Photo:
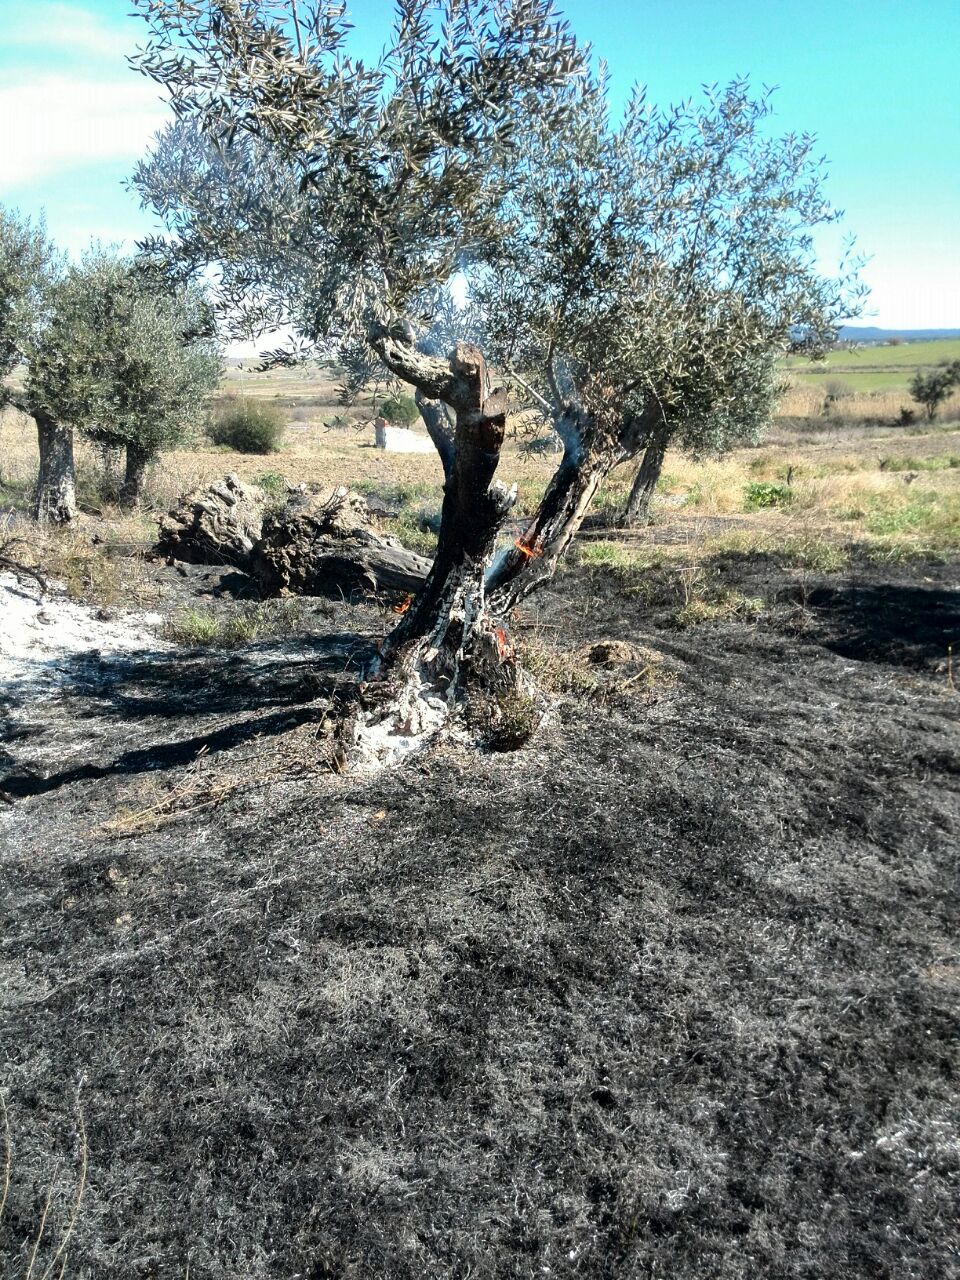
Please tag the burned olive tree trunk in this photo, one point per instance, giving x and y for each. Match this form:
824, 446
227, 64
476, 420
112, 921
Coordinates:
589, 455
453, 642
448, 635
637, 510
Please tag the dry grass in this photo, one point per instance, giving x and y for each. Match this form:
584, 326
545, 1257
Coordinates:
802, 549
205, 784
108, 574
705, 606
805, 398
262, 619
604, 671
838, 481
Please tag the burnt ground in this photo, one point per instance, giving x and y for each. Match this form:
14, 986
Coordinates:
670, 992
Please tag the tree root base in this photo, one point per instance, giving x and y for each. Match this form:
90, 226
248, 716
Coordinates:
485, 701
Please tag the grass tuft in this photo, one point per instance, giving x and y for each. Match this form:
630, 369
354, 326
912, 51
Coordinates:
268, 619
726, 604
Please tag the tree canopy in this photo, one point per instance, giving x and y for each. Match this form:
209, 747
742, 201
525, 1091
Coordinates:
659, 263
28, 267
661, 259
627, 276
125, 357
335, 195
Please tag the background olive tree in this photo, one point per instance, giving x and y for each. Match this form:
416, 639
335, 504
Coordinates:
29, 266
657, 268
127, 357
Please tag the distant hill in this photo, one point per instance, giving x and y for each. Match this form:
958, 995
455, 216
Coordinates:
852, 333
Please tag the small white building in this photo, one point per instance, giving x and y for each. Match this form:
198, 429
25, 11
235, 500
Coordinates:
399, 439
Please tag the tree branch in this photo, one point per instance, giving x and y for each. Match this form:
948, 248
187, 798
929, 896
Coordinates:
544, 404
436, 378
438, 428
16, 399
552, 376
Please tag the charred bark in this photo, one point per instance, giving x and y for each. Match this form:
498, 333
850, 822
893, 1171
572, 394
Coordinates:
453, 642
473, 509
448, 640
637, 510
449, 612
590, 454
135, 474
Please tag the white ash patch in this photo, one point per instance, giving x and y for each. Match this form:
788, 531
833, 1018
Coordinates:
407, 728
38, 633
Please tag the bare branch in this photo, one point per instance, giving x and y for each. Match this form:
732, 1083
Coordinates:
544, 404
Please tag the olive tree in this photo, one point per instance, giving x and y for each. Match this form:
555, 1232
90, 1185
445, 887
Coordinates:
126, 356
623, 275
654, 272
339, 198
29, 265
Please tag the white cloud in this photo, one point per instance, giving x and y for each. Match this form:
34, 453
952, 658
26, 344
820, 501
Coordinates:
56, 123
46, 26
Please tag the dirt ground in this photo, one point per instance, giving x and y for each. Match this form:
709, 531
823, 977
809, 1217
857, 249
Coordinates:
671, 992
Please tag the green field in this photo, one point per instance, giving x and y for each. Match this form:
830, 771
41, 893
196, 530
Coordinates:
875, 368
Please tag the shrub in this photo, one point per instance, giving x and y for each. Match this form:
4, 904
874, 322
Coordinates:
272, 482
763, 494
401, 410
249, 426
339, 422
836, 389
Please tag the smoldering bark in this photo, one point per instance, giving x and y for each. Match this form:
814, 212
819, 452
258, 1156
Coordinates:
637, 510
589, 457
135, 474
55, 498
451, 601
453, 644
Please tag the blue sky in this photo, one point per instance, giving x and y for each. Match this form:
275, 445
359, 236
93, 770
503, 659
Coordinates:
877, 82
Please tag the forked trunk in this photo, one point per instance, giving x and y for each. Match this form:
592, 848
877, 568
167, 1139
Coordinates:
55, 500
645, 481
135, 474
472, 512
453, 643
448, 636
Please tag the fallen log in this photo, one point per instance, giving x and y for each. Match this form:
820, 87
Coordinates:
324, 544
219, 524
